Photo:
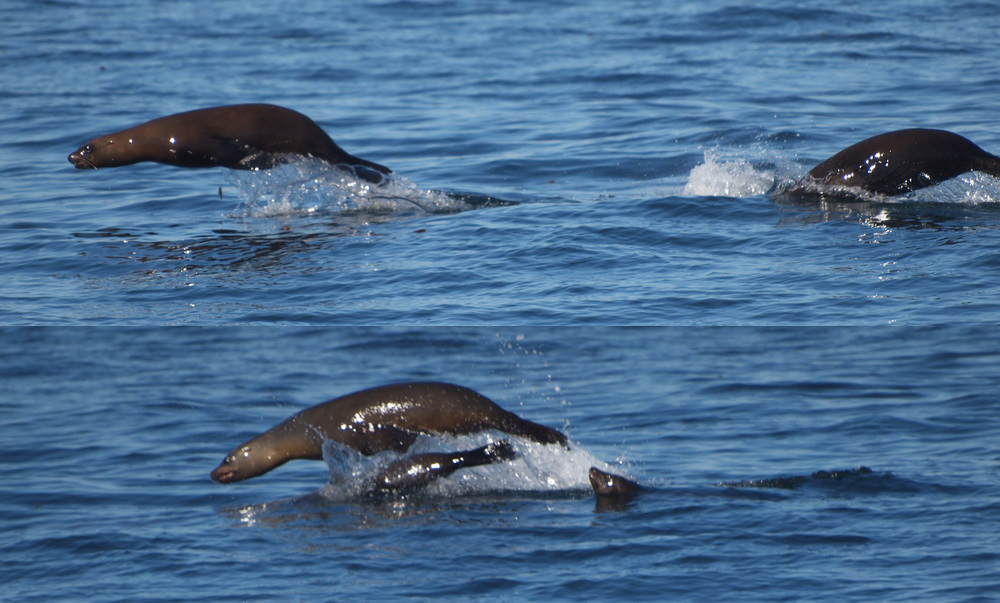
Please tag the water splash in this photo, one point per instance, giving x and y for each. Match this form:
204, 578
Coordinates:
736, 177
970, 188
306, 186
537, 468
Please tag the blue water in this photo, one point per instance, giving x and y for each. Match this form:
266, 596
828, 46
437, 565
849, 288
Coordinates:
576, 164
109, 436
634, 144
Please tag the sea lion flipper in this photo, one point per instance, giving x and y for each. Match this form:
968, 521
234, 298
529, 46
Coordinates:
988, 164
419, 470
534, 431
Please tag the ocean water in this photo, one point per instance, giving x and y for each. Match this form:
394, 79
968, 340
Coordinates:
555, 162
588, 166
110, 433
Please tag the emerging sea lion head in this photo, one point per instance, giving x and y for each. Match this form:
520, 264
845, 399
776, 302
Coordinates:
609, 484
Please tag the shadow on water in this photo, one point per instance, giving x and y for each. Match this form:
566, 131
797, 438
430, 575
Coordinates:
316, 511
270, 239
230, 248
908, 214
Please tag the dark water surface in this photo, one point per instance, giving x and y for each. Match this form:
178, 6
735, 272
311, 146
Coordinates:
639, 141
111, 433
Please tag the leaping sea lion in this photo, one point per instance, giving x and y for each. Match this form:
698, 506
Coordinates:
899, 162
389, 417
239, 137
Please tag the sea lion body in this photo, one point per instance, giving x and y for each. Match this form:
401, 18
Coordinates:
899, 162
417, 471
389, 417
239, 137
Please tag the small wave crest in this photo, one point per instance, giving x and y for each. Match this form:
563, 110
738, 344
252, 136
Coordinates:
305, 186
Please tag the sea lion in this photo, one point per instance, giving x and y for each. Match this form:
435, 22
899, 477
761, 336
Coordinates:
609, 484
793, 482
899, 162
239, 137
388, 417
417, 471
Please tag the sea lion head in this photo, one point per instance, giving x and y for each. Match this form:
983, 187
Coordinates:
108, 151
609, 484
82, 158
240, 464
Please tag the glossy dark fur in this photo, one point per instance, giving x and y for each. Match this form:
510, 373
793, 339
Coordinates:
899, 162
239, 137
389, 417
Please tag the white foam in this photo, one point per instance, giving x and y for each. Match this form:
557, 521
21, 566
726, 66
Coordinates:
736, 177
971, 187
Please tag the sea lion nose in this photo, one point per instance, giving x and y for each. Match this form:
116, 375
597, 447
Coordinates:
78, 156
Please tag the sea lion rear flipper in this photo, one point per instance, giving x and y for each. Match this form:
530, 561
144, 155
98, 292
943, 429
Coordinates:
988, 164
534, 431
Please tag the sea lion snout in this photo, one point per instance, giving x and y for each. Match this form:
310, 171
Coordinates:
223, 475
599, 480
81, 157
228, 470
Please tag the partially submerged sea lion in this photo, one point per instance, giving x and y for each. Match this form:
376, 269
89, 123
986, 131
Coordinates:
609, 484
899, 162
